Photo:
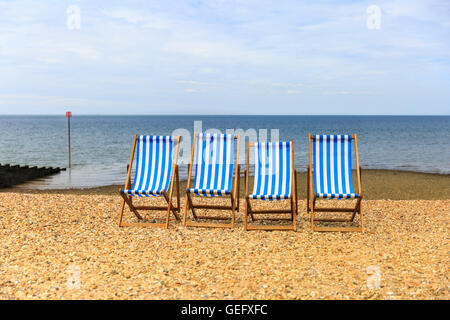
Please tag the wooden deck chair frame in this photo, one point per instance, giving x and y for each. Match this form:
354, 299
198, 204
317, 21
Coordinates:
293, 200
312, 197
234, 197
167, 195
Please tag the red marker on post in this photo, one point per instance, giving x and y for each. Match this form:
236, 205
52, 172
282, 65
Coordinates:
68, 116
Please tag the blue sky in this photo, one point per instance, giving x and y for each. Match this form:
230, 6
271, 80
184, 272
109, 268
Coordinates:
225, 56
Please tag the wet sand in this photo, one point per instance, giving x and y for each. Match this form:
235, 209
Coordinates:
376, 184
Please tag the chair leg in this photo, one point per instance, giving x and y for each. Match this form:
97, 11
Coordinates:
178, 189
238, 189
186, 206
308, 209
294, 215
198, 223
339, 229
191, 206
296, 193
291, 211
246, 213
311, 209
232, 210
357, 209
122, 207
127, 200
170, 206
361, 215
250, 212
292, 208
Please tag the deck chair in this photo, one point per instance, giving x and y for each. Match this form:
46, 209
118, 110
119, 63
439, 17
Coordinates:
156, 170
275, 179
214, 166
330, 177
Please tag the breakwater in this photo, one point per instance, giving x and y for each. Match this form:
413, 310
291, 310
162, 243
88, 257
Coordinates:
11, 175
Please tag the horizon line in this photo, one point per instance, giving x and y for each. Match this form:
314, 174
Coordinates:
206, 114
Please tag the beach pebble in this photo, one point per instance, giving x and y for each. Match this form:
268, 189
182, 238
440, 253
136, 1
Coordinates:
69, 246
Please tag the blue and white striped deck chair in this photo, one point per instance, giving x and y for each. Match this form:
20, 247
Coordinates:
213, 159
275, 179
330, 177
156, 170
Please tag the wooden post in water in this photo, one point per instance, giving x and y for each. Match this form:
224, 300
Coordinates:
68, 116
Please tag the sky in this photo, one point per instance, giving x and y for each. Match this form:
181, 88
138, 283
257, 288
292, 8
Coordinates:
225, 57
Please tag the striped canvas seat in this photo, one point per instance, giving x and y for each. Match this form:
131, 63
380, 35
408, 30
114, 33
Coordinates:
332, 164
214, 165
154, 165
273, 171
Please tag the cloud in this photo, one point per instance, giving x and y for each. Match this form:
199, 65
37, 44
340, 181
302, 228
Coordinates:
20, 99
336, 92
190, 82
287, 85
137, 17
127, 15
245, 53
84, 52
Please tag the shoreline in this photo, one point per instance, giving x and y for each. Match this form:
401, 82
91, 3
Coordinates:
376, 184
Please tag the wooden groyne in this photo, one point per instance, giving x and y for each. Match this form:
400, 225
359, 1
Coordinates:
11, 175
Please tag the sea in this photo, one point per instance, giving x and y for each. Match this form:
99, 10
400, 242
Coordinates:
101, 145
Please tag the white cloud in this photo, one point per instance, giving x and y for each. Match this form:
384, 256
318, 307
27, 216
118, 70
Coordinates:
337, 92
84, 52
127, 15
190, 82
26, 99
246, 53
141, 17
287, 85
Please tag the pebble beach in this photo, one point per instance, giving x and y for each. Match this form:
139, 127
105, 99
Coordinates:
224, 158
68, 246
